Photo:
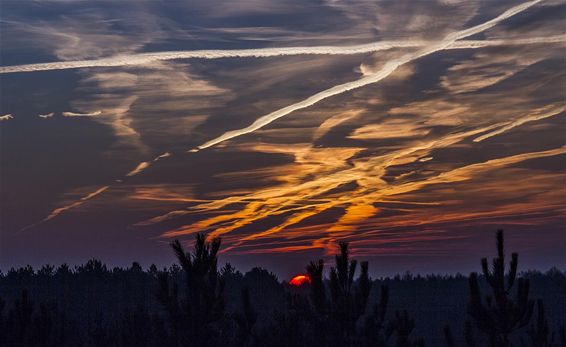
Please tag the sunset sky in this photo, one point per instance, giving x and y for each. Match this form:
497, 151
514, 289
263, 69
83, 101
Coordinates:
412, 129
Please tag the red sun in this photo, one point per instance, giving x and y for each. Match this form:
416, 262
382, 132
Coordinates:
299, 280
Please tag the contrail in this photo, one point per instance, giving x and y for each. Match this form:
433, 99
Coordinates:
56, 212
519, 122
60, 210
73, 114
387, 70
145, 58
464, 44
145, 164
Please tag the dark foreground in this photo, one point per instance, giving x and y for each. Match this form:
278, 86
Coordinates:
197, 304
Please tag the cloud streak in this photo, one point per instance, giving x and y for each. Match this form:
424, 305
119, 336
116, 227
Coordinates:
385, 71
45, 116
530, 118
6, 117
361, 208
73, 114
146, 164
146, 58
56, 212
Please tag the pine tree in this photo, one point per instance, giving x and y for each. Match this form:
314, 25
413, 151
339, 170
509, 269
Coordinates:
348, 301
3, 328
375, 331
498, 315
448, 336
402, 326
246, 321
469, 335
539, 333
338, 313
317, 291
469, 339
196, 317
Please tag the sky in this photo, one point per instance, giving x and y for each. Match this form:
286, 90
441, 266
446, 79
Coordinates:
410, 129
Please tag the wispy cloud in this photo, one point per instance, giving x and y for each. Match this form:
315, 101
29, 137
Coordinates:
145, 164
305, 192
75, 114
6, 117
537, 115
388, 68
393, 161
129, 100
47, 115
388, 129
333, 122
58, 211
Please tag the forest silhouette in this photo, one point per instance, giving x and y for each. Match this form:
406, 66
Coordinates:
196, 303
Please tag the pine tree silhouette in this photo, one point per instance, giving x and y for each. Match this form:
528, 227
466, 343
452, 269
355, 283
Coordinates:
24, 325
246, 321
498, 315
448, 336
469, 338
196, 317
92, 305
402, 326
21, 317
3, 328
348, 302
317, 292
337, 314
539, 333
375, 330
469, 335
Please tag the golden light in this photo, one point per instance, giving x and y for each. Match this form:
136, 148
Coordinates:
299, 280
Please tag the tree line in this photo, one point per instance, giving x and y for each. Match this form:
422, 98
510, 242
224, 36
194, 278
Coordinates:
196, 303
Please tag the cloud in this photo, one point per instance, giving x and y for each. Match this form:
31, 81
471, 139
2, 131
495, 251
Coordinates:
370, 160
130, 101
81, 32
141, 166
74, 114
388, 68
388, 129
47, 115
334, 121
141, 59
307, 183
489, 67
58, 211
162, 88
6, 117
534, 116
146, 164
146, 58
285, 199
165, 193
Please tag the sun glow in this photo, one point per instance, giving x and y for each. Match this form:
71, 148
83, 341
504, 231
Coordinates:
299, 280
